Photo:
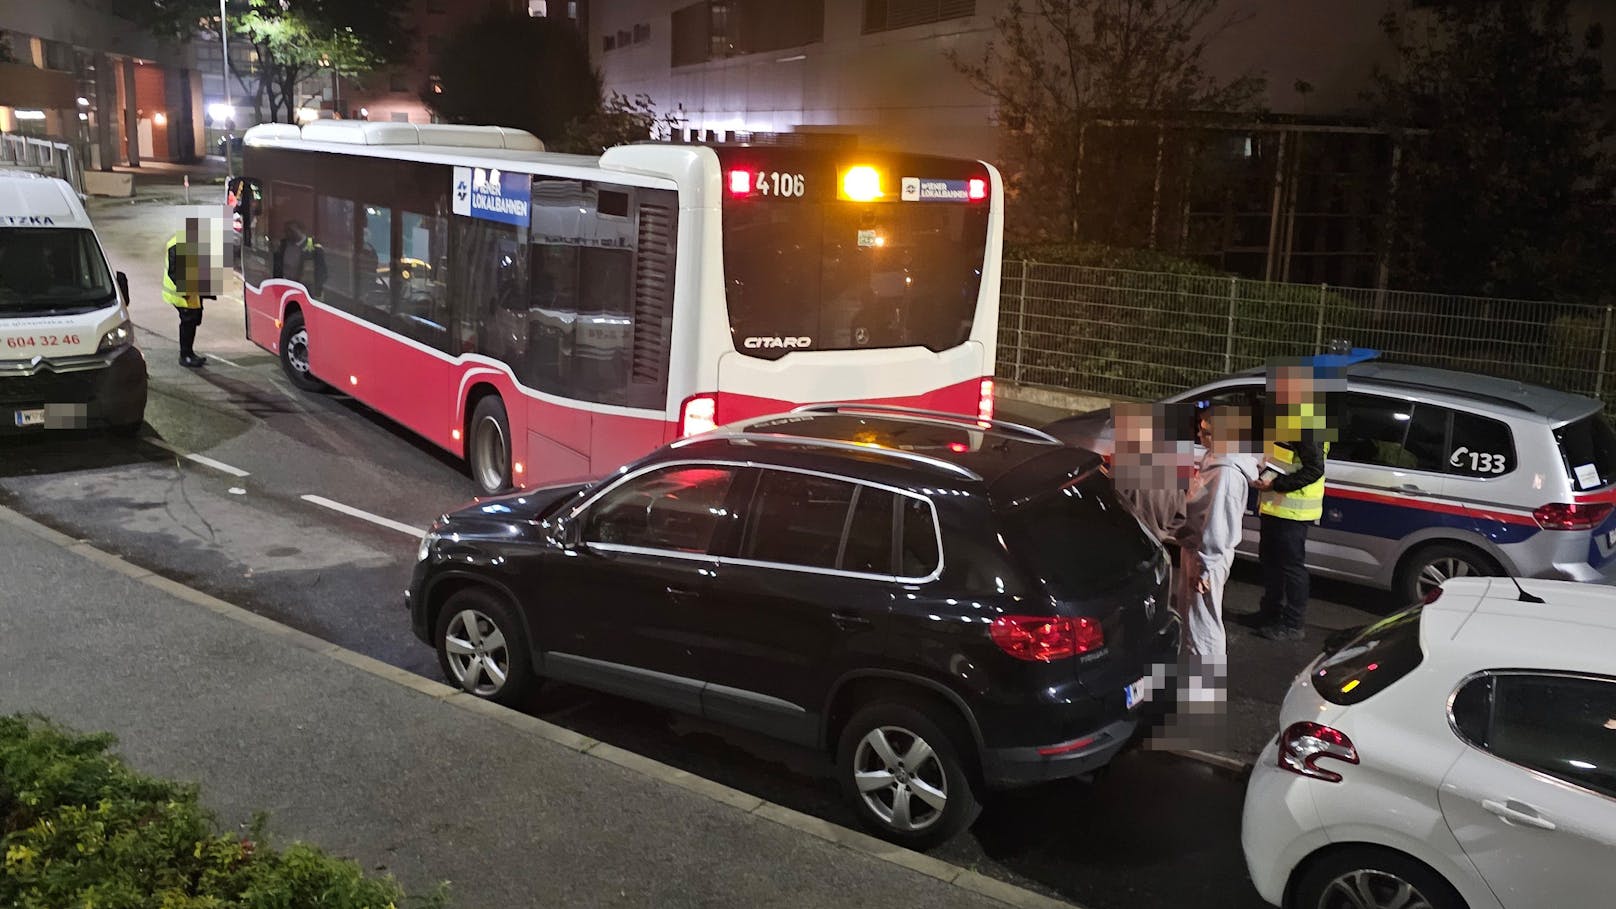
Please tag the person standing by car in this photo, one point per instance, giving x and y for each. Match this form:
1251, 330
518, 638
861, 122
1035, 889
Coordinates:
1146, 472
1214, 515
1291, 498
184, 285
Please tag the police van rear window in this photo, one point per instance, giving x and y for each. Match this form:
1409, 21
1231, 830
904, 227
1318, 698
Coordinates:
1589, 449
1373, 660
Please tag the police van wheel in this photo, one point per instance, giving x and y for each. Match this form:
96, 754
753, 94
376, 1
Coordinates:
488, 448
295, 354
1426, 569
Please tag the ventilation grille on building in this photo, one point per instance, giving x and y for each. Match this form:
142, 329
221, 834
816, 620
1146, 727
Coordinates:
885, 15
653, 280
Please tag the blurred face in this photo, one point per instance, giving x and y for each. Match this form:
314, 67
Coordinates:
1293, 386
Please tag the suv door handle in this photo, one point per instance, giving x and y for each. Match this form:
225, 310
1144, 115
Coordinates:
849, 622
1514, 812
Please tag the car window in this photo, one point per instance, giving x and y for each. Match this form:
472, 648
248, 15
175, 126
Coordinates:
675, 508
918, 553
1481, 447
869, 533
1375, 431
1372, 660
1560, 725
1589, 449
1078, 538
1427, 439
797, 519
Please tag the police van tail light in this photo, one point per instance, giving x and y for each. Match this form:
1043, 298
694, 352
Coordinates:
984, 400
698, 414
1572, 516
1303, 745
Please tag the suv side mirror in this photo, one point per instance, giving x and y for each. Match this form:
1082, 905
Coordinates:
123, 287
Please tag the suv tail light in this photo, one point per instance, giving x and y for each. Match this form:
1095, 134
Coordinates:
1046, 638
698, 414
1575, 516
984, 400
1303, 744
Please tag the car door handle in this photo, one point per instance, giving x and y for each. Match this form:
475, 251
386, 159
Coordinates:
679, 595
1514, 812
1410, 487
848, 622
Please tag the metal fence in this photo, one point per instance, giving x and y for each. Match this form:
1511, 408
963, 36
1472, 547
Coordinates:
45, 156
1143, 335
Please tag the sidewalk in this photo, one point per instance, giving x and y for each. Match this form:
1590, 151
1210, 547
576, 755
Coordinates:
405, 775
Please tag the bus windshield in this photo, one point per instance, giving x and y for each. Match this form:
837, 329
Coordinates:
51, 270
840, 275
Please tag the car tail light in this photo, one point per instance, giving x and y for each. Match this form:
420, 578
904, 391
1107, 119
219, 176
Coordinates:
1432, 597
984, 400
698, 414
1302, 745
1574, 516
1046, 638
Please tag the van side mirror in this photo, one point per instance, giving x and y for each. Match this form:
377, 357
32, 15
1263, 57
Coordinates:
123, 287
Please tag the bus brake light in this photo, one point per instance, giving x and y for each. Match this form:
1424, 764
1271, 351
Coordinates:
976, 188
984, 400
740, 182
698, 415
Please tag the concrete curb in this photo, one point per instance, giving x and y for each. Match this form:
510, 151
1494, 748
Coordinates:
965, 879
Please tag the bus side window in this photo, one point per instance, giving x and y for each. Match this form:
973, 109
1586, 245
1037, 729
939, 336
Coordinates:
489, 288
291, 218
254, 250
373, 259
421, 305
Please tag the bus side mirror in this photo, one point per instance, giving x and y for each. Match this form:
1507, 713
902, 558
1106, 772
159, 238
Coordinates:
123, 287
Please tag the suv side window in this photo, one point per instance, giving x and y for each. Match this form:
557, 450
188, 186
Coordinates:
1555, 724
675, 508
822, 522
1481, 447
1376, 430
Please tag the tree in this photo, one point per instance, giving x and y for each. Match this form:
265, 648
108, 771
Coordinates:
1056, 65
619, 121
294, 39
525, 72
1505, 189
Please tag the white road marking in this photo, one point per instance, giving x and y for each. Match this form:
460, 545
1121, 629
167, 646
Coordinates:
204, 460
389, 523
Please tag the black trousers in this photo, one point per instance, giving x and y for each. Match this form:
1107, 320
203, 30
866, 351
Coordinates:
1282, 550
189, 320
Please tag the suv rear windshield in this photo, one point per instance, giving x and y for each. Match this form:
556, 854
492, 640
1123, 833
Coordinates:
1589, 449
51, 269
1372, 660
1079, 539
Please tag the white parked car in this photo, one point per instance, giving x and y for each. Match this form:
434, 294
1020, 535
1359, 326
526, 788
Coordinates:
1461, 753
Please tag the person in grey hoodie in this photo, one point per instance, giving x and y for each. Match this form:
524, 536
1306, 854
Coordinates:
1214, 514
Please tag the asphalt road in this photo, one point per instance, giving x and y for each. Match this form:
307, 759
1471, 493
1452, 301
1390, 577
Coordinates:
1156, 830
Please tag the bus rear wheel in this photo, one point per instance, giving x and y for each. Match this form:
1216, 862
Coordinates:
488, 448
295, 353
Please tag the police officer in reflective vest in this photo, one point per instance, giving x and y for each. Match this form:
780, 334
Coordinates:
1291, 498
183, 285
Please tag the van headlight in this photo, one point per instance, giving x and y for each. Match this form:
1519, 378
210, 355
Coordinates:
122, 336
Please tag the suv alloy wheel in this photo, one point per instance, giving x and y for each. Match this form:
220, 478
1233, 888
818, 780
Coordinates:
901, 769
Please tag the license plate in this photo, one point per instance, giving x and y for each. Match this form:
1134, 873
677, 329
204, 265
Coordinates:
1610, 540
1134, 694
35, 417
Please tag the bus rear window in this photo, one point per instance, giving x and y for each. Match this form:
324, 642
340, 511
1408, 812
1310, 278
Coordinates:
1589, 449
1372, 660
839, 275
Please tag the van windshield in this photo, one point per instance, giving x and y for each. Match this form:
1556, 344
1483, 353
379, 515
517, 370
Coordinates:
49, 270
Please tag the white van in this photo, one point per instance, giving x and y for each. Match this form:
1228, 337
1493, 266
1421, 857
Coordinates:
68, 358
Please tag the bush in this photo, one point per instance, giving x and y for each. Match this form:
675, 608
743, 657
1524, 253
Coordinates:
78, 828
1095, 255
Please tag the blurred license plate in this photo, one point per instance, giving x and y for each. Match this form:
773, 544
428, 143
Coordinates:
35, 417
1133, 694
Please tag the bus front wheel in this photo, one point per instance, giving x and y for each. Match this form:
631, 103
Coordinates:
295, 353
488, 451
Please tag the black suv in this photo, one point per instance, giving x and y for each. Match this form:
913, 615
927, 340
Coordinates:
942, 602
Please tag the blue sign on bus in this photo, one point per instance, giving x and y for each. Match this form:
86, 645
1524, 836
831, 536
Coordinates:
487, 193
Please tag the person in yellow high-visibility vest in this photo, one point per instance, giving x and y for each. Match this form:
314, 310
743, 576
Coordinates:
183, 282
1291, 498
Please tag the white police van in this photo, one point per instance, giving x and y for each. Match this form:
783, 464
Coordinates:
68, 358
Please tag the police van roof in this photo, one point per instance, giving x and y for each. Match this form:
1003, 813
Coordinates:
33, 200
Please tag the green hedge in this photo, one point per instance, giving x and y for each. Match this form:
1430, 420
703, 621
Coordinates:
1094, 255
80, 830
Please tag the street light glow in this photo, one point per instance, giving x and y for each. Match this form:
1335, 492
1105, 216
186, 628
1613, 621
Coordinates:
219, 112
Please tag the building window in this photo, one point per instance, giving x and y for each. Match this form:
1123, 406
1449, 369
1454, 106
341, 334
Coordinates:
397, 81
434, 44
885, 15
729, 28
436, 7
624, 37
538, 9
608, 42
642, 33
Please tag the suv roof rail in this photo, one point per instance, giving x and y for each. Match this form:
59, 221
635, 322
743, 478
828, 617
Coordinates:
839, 445
935, 416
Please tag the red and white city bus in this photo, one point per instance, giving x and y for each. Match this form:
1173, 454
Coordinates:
550, 317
